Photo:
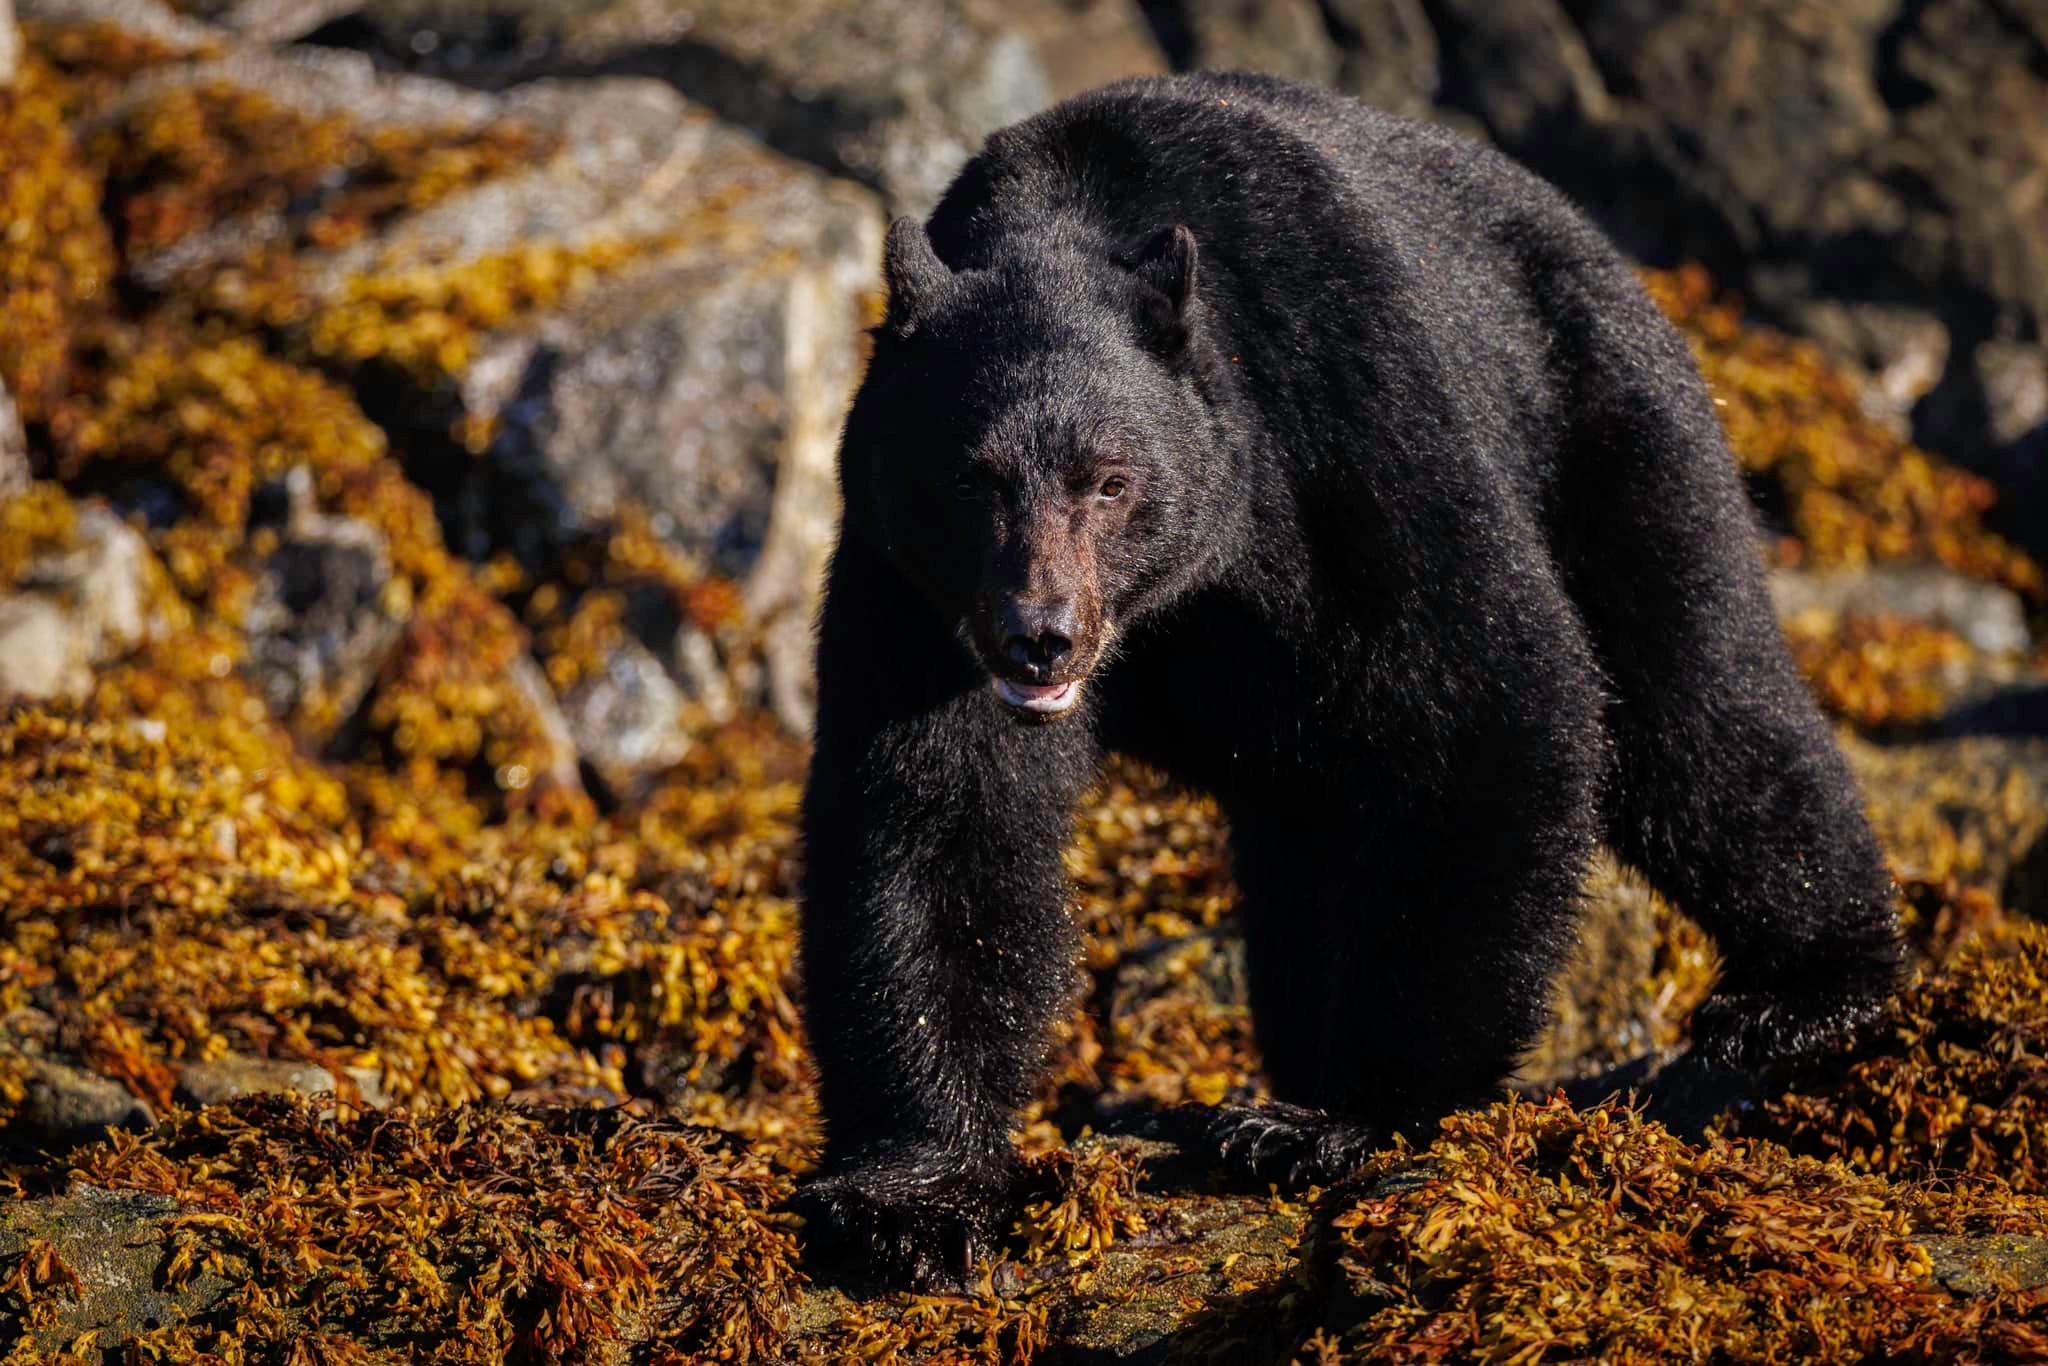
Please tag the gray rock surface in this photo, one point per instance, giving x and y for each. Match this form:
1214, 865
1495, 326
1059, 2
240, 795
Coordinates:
223, 1079
1986, 1264
1276, 37
66, 1105
894, 96
10, 42
629, 721
151, 18
14, 473
115, 1242
531, 686
1388, 53
72, 611
1990, 617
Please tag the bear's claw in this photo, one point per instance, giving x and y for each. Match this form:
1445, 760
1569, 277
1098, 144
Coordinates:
1289, 1145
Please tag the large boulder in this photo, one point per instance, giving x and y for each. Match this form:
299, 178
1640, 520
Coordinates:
893, 96
658, 311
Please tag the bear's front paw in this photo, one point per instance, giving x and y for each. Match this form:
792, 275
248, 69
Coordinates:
902, 1225
1287, 1145
1771, 1034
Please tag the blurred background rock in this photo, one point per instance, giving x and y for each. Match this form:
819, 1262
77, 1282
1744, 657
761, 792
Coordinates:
416, 434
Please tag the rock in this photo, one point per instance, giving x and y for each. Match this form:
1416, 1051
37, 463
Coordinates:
1864, 152
1973, 807
1278, 37
531, 685
1775, 127
1388, 53
152, 19
223, 1079
2014, 378
893, 96
271, 21
1197, 1260
323, 617
1082, 44
73, 610
1991, 618
40, 654
115, 1242
1208, 966
1522, 69
702, 374
1988, 1264
14, 475
369, 1084
628, 721
66, 1106
10, 49
1901, 352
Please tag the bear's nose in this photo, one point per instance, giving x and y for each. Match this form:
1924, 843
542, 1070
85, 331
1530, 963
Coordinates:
1039, 638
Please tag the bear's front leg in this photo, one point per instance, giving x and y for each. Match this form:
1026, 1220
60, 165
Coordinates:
937, 944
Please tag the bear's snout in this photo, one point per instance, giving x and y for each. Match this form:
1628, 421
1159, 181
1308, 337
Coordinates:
1038, 637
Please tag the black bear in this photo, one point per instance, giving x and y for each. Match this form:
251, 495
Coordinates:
1337, 466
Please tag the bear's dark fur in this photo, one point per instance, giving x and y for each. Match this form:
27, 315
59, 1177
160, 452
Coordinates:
1337, 466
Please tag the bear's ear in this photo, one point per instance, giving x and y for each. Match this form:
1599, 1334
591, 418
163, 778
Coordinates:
916, 275
1167, 263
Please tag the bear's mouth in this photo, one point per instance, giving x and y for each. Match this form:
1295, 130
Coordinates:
1040, 699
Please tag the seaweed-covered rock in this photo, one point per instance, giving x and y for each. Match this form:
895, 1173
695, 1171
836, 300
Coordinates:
654, 310
90, 1264
1958, 1084
1630, 986
324, 614
1965, 809
1530, 1230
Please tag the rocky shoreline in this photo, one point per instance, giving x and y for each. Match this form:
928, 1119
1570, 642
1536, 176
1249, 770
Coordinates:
414, 465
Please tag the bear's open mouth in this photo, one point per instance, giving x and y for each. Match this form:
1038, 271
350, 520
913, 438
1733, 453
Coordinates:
1041, 699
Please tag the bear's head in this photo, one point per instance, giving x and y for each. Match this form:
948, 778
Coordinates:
1034, 446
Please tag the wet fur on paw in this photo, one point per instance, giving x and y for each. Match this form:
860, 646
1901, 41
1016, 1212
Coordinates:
881, 1228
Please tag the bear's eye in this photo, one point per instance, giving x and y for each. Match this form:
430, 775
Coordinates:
1112, 489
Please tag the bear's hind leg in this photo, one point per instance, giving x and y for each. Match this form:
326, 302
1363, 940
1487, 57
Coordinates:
1730, 793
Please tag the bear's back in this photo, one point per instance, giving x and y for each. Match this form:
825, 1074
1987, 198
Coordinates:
1269, 174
